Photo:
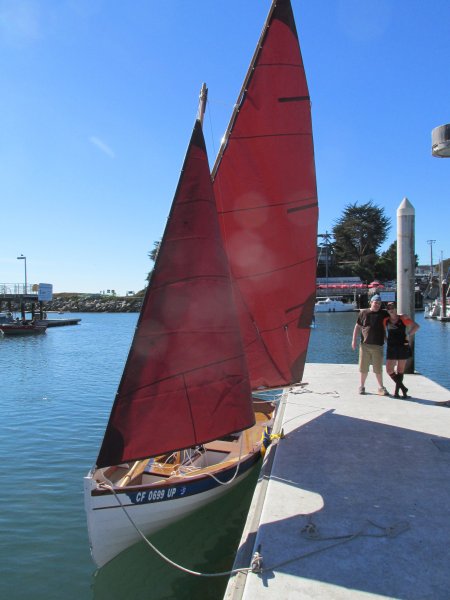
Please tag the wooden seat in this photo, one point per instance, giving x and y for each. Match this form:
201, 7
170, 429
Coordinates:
220, 446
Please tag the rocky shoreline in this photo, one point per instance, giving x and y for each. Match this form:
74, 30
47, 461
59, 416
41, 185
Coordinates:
93, 303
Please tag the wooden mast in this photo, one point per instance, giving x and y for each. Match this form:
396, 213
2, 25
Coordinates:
202, 103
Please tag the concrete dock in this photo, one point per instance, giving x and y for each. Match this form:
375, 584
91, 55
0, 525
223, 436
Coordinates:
354, 502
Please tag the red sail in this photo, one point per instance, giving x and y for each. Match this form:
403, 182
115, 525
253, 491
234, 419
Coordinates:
265, 188
186, 380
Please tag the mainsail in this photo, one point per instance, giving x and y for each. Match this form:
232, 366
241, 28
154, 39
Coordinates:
265, 188
186, 380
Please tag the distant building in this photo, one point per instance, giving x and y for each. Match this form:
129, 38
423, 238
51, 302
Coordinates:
424, 270
348, 281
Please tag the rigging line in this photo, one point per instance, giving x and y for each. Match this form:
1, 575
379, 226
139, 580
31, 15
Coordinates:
320, 409
243, 91
262, 400
277, 327
187, 475
211, 128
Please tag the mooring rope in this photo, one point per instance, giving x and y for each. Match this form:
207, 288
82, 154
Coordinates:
110, 486
310, 532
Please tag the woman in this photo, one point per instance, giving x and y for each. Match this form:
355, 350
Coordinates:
399, 328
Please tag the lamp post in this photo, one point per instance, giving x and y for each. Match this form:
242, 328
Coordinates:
24, 258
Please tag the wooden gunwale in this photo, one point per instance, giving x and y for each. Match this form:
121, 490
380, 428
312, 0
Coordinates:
235, 449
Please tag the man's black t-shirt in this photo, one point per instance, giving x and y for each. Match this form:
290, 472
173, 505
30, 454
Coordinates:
372, 326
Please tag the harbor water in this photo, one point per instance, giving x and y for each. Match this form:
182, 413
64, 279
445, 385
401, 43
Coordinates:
56, 394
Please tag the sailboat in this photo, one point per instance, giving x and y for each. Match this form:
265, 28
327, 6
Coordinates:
227, 311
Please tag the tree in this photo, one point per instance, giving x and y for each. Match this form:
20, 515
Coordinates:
386, 264
446, 268
152, 255
358, 234
154, 252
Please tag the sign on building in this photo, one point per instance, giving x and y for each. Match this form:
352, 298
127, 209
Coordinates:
387, 296
45, 292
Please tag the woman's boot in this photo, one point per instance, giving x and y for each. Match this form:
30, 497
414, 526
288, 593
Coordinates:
394, 377
402, 387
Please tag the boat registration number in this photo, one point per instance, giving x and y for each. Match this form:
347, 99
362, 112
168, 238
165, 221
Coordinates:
157, 495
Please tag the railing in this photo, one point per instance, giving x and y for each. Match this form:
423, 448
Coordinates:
18, 289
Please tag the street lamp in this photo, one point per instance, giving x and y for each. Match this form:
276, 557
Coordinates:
24, 258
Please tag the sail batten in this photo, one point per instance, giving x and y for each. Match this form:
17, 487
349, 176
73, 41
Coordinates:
285, 204
265, 188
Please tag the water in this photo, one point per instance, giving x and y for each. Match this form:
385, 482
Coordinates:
56, 394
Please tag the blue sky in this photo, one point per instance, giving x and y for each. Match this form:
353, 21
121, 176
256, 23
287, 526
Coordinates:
98, 99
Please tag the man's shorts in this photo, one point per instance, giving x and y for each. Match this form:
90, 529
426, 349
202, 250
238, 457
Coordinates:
370, 354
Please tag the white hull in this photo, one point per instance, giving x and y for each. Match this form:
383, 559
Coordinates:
110, 531
433, 311
329, 305
157, 493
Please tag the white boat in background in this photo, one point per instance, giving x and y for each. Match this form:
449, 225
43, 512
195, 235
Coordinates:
433, 310
333, 305
215, 327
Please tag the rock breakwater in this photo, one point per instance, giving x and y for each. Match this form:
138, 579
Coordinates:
95, 303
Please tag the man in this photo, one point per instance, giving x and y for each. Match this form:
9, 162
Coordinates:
370, 324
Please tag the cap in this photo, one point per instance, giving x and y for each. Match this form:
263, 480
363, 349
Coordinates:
375, 298
391, 305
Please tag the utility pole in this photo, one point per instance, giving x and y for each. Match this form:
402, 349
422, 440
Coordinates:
431, 242
326, 237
